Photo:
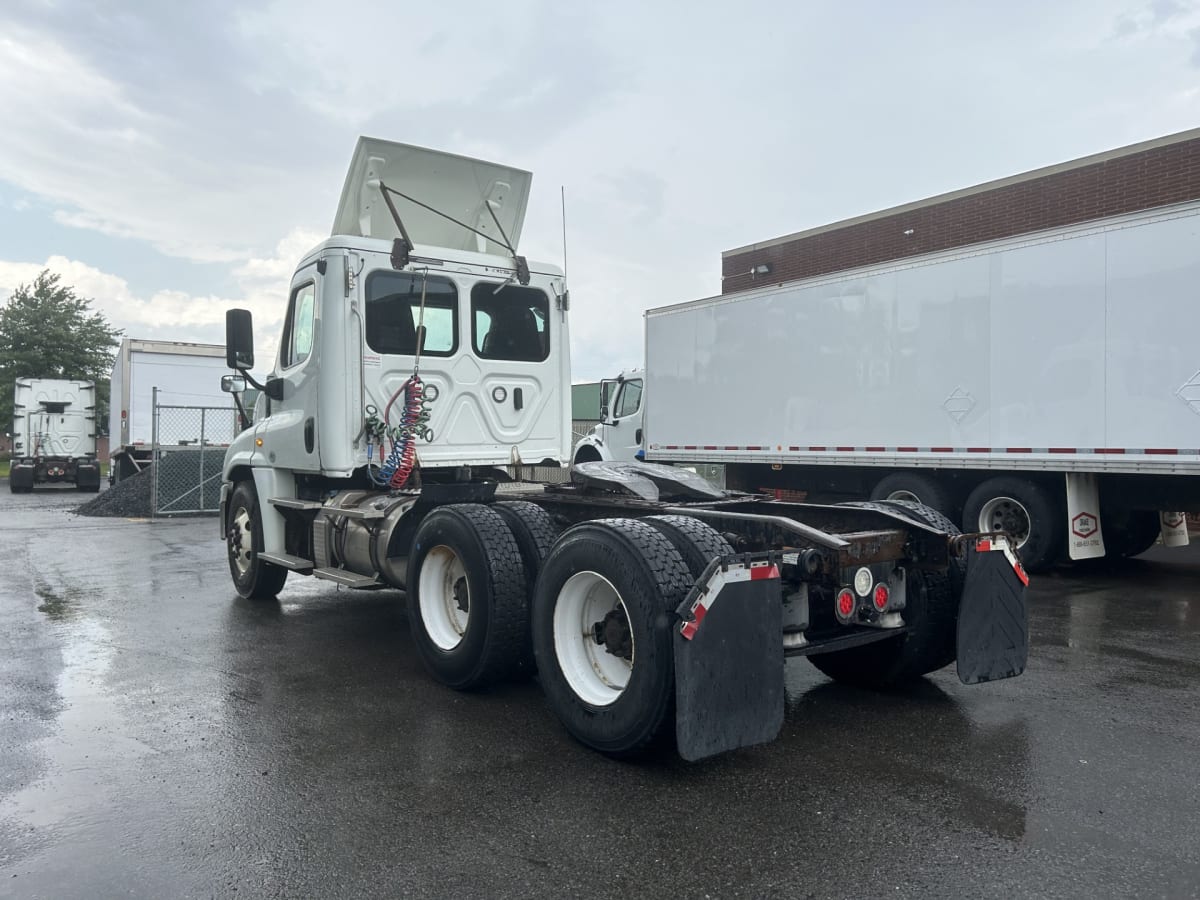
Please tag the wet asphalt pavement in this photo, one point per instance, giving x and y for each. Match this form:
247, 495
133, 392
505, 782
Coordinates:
160, 737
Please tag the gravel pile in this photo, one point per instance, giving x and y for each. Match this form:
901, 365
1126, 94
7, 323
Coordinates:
129, 498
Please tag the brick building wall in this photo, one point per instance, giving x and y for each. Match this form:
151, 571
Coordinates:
1143, 176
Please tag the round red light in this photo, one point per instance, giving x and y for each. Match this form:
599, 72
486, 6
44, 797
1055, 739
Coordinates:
881, 597
845, 603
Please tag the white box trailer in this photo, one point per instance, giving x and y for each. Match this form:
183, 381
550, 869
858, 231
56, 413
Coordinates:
180, 374
1007, 384
54, 434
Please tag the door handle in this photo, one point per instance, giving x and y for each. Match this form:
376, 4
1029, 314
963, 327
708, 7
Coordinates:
310, 435
518, 398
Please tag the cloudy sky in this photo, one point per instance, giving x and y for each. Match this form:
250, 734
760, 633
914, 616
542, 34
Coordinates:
173, 159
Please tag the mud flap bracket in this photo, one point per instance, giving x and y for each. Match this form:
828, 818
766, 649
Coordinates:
729, 659
993, 617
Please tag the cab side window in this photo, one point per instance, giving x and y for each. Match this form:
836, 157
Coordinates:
631, 399
301, 320
510, 322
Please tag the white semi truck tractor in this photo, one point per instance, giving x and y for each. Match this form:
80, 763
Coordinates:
423, 362
54, 434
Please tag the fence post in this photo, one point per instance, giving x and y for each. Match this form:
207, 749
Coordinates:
203, 411
154, 452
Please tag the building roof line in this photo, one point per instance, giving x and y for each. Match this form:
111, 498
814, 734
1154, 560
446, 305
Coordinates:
1082, 162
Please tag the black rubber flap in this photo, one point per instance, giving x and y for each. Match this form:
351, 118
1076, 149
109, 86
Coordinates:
993, 620
729, 676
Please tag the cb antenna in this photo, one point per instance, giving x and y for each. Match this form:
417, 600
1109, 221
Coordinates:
563, 191
566, 294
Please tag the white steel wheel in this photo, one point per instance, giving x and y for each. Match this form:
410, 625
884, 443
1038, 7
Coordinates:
906, 496
590, 610
445, 597
240, 541
1008, 515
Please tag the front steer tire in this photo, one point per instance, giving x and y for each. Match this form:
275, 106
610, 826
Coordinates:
467, 598
624, 577
252, 578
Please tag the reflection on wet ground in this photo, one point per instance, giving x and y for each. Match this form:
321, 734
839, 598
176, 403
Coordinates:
159, 737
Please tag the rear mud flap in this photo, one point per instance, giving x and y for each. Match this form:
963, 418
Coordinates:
729, 662
993, 619
21, 477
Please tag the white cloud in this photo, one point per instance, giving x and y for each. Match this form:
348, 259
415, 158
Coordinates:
175, 315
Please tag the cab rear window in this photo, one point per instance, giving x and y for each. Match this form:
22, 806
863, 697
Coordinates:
394, 310
510, 322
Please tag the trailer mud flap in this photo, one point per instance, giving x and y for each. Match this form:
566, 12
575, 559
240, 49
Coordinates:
993, 619
729, 660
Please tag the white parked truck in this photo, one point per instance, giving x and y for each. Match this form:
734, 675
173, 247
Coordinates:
1046, 385
413, 378
54, 434
179, 374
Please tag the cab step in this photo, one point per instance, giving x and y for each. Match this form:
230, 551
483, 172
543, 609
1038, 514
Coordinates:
348, 579
287, 561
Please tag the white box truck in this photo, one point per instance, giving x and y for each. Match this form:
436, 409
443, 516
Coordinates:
1046, 385
179, 374
413, 378
54, 434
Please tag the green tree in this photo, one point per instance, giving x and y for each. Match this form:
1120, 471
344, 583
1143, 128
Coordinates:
49, 331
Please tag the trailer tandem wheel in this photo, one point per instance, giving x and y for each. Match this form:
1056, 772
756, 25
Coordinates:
1032, 514
253, 578
915, 487
467, 603
602, 623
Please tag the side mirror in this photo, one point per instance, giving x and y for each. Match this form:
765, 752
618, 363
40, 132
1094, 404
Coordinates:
604, 414
239, 339
233, 384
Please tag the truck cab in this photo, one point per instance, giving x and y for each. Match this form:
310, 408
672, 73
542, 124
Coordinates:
488, 345
618, 436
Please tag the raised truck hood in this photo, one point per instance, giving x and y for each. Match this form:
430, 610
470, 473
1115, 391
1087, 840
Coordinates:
458, 186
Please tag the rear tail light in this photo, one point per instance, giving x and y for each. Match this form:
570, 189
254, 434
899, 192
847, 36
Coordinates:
845, 606
881, 597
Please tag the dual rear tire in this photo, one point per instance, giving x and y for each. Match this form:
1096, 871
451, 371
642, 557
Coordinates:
494, 591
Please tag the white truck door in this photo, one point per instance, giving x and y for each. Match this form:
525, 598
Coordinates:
291, 440
623, 430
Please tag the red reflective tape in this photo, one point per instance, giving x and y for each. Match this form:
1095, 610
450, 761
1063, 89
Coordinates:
1019, 450
983, 546
689, 446
730, 448
671, 447
760, 573
754, 448
1110, 450
711, 447
1160, 452
875, 449
793, 449
844, 449
1021, 573
1063, 450
979, 449
907, 449
941, 449
816, 449
689, 628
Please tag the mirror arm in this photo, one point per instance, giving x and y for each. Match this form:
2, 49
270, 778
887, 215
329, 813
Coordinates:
237, 401
273, 388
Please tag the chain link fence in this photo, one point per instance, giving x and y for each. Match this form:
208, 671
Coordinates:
189, 444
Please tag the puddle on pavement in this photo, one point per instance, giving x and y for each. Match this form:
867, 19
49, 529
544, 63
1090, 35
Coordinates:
57, 606
88, 731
